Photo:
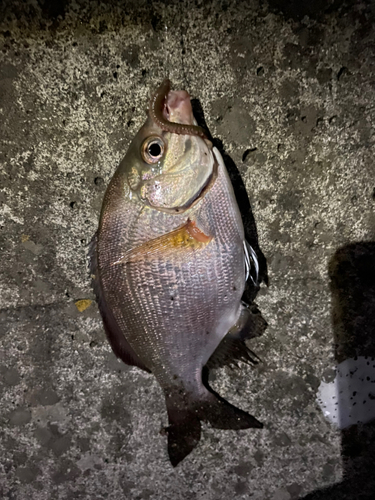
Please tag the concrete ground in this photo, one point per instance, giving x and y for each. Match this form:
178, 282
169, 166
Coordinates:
289, 90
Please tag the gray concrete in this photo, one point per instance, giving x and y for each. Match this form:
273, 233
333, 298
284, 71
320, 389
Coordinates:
74, 83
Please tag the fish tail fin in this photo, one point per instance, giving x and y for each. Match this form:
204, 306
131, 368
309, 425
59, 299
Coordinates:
223, 415
184, 429
185, 412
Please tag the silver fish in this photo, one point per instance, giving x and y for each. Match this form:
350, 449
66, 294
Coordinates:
169, 262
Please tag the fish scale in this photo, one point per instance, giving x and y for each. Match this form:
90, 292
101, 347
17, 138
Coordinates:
159, 328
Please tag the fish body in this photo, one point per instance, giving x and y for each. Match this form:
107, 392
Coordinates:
170, 266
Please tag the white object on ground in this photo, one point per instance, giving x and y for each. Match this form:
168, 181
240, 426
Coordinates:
350, 398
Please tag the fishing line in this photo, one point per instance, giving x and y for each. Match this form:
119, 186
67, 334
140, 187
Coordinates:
182, 44
175, 46
166, 54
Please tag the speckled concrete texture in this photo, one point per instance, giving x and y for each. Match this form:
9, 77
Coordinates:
290, 93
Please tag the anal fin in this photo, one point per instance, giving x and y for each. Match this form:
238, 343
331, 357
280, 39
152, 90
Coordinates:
119, 344
233, 348
250, 323
229, 352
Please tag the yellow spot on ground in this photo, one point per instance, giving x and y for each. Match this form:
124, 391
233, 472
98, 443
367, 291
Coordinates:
24, 237
83, 304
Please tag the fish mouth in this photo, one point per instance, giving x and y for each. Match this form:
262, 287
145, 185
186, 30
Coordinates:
170, 110
177, 108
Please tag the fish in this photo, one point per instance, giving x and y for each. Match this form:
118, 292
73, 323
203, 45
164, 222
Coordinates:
169, 263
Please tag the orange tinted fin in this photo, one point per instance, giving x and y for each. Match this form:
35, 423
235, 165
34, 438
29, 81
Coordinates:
182, 241
196, 233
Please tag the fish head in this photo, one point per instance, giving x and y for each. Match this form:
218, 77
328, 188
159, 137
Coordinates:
170, 164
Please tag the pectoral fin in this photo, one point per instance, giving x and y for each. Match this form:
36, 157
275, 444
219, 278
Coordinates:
184, 240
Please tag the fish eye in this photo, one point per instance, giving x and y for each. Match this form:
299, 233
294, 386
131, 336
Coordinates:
152, 149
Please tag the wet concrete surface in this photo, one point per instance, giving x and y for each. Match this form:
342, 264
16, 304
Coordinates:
290, 95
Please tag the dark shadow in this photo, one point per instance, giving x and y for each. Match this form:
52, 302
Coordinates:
236, 349
314, 9
352, 281
243, 201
